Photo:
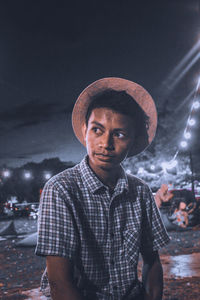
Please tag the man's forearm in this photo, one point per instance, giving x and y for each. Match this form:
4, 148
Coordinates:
64, 291
152, 277
59, 270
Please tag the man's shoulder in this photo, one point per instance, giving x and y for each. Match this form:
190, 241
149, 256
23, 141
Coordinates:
67, 178
136, 182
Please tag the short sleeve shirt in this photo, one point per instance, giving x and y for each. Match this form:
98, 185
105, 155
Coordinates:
101, 233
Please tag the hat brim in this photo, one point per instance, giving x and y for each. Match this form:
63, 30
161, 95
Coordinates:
137, 92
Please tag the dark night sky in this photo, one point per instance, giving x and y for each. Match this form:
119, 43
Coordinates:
50, 51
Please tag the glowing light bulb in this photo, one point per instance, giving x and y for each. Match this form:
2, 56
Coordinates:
196, 105
6, 173
183, 144
187, 135
27, 175
47, 176
191, 122
152, 167
128, 171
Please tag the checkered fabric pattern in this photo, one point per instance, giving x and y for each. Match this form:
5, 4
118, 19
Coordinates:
101, 233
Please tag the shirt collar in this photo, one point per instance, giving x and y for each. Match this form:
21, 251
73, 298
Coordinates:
94, 184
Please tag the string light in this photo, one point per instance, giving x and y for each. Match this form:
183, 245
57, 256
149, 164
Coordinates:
187, 135
196, 105
152, 167
28, 174
183, 144
191, 122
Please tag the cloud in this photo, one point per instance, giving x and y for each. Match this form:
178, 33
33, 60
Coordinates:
32, 113
28, 153
20, 157
26, 124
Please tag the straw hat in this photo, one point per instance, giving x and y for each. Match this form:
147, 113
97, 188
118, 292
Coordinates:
137, 92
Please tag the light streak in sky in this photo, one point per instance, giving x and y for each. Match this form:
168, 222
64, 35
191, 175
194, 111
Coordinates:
181, 69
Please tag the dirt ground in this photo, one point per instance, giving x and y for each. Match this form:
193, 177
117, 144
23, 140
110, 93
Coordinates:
21, 269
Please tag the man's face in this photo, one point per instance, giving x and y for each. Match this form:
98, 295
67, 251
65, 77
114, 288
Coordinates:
109, 136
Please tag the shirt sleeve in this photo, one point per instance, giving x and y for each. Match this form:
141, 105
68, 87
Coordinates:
154, 234
56, 226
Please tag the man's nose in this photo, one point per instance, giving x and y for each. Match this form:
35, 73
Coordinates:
107, 141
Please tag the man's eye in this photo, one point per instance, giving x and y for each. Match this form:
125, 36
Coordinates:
120, 135
96, 130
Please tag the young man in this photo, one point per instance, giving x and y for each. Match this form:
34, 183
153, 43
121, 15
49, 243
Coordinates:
94, 218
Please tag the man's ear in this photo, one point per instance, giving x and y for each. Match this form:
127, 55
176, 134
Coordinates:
84, 131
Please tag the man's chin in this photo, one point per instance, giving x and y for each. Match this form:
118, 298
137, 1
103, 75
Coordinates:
107, 165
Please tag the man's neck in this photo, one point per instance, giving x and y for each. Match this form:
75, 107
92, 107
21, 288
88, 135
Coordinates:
108, 177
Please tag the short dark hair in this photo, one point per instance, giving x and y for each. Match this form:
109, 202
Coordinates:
123, 103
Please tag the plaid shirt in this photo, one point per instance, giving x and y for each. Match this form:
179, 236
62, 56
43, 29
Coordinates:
101, 234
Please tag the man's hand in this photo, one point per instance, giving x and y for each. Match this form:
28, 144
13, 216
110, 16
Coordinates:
60, 279
152, 276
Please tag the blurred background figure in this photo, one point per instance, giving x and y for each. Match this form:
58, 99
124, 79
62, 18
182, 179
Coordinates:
162, 195
180, 215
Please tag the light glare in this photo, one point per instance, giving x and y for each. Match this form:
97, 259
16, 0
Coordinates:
6, 173
169, 165
187, 135
191, 122
47, 176
196, 105
184, 144
172, 164
27, 175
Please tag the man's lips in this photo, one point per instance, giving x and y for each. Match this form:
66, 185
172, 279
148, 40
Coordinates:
104, 155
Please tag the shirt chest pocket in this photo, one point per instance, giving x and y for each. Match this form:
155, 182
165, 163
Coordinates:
131, 245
